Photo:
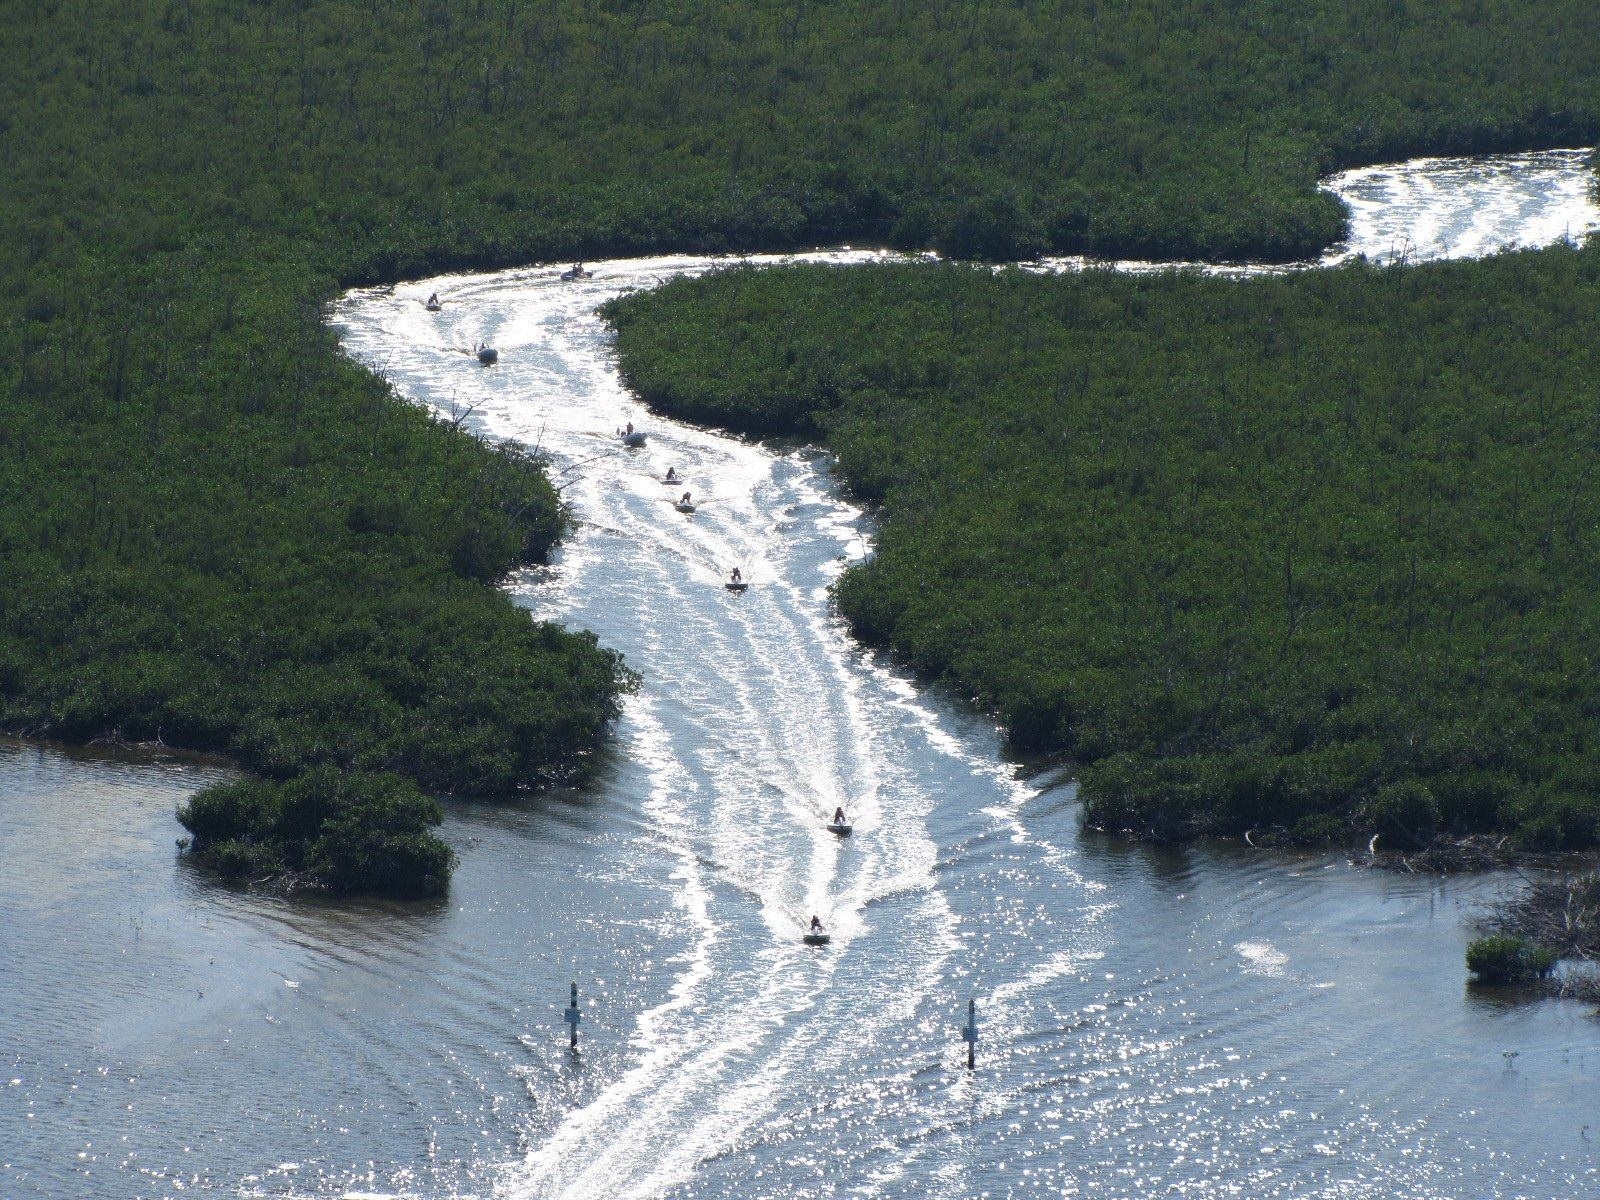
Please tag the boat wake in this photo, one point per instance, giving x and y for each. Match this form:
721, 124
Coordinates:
776, 1069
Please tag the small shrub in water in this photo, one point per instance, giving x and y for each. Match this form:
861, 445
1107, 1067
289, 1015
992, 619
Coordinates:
1506, 958
346, 831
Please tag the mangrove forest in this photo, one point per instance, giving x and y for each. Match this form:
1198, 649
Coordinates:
1257, 552
1309, 553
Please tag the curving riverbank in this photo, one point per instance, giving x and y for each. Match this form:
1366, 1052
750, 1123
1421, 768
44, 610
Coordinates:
1192, 1017
194, 482
1302, 553
206, 515
758, 715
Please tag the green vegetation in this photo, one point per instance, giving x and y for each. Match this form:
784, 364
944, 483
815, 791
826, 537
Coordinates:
1503, 958
253, 548
1304, 552
294, 579
381, 140
217, 533
1550, 918
342, 832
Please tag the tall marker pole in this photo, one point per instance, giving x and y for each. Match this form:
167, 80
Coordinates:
571, 1016
970, 1034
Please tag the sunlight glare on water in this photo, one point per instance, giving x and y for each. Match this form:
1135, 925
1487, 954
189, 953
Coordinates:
1434, 208
1197, 1022
1196, 1058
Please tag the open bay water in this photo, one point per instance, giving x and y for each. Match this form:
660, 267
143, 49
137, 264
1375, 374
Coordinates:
1196, 1022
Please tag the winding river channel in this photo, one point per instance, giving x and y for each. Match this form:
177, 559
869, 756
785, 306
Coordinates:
1155, 1022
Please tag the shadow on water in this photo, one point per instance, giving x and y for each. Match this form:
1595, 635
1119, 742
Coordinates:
1496, 1000
1172, 866
307, 907
112, 753
577, 809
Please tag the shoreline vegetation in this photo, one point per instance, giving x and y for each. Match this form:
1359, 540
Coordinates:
1301, 556
1555, 918
1302, 560
220, 534
298, 586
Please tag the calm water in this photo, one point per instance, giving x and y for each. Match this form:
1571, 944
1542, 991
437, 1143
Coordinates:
1185, 1023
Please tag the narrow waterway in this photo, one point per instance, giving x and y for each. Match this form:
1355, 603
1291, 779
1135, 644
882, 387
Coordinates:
1196, 1022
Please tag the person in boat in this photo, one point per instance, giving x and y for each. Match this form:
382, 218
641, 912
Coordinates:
628, 430
577, 270
816, 923
838, 815
684, 499
433, 300
736, 577
672, 474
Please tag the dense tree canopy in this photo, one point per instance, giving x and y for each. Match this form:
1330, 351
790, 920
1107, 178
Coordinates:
346, 832
1309, 552
216, 532
397, 136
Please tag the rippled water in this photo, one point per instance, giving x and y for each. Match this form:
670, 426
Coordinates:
1198, 1022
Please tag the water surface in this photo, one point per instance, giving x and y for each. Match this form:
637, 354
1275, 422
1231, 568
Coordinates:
1201, 1022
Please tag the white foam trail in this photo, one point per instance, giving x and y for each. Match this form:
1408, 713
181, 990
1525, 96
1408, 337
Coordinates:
761, 717
781, 730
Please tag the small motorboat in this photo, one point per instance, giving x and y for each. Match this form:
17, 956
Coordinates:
572, 273
816, 937
433, 306
736, 585
842, 828
684, 506
632, 438
669, 480
488, 355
